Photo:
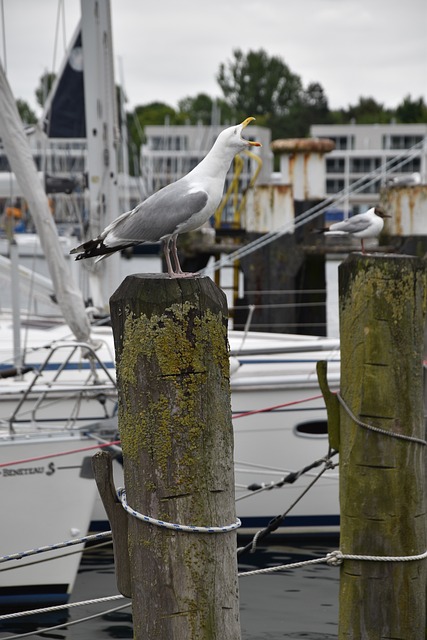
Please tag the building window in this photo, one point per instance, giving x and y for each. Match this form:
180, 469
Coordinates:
411, 166
373, 186
400, 142
364, 165
168, 143
335, 165
343, 142
414, 164
334, 185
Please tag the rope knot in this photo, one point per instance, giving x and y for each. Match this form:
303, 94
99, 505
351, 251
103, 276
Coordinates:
334, 558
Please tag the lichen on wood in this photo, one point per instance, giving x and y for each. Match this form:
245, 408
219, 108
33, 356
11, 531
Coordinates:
175, 426
382, 492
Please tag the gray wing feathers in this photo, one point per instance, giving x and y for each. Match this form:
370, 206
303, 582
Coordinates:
352, 225
159, 215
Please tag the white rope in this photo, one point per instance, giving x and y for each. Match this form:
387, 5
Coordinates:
171, 525
60, 607
334, 559
365, 425
283, 567
348, 556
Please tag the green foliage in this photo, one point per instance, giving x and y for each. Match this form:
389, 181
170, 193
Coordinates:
26, 113
366, 111
258, 85
263, 86
253, 84
411, 111
202, 108
45, 85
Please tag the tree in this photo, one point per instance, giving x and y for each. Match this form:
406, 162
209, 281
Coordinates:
27, 114
263, 86
45, 85
411, 111
310, 108
258, 85
366, 111
202, 108
142, 115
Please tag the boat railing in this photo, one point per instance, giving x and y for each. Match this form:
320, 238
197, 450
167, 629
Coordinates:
52, 384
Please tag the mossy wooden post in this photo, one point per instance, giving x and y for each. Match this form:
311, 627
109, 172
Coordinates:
382, 488
176, 432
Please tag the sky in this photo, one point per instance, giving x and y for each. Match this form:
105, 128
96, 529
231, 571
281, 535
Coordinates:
166, 50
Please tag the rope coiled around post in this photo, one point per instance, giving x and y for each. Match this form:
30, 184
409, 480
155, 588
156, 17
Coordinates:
121, 493
370, 427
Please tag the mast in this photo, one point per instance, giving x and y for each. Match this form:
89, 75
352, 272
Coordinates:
102, 138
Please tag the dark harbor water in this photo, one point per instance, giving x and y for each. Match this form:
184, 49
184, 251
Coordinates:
298, 603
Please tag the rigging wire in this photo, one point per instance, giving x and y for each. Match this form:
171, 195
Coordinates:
38, 632
359, 185
60, 14
58, 557
3, 34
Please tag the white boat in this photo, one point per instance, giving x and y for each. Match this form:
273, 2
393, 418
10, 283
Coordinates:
48, 498
279, 415
70, 403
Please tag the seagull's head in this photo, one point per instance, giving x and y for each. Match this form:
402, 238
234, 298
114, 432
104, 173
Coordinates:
381, 213
232, 137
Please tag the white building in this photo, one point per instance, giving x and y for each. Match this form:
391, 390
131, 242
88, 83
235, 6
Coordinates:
171, 151
389, 150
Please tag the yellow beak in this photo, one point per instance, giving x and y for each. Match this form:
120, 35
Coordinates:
245, 124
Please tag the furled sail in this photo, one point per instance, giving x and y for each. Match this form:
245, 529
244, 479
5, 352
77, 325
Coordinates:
22, 164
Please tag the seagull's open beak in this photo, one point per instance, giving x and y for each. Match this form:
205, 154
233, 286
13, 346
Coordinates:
244, 124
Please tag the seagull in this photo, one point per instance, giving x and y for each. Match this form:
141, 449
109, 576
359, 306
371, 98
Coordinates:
184, 205
404, 181
363, 225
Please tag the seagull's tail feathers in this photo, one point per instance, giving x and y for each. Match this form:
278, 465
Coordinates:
328, 231
97, 248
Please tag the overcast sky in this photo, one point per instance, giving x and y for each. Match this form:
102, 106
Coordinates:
171, 49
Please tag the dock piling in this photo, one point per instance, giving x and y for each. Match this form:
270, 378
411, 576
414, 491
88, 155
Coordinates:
175, 427
382, 486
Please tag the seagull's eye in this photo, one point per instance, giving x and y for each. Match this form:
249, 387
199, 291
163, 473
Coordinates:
235, 131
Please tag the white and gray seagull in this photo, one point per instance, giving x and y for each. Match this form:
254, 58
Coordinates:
184, 205
363, 225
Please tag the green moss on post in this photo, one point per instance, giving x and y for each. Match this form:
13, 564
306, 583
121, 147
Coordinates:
382, 488
175, 426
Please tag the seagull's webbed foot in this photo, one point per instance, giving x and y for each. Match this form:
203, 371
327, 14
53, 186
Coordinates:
184, 274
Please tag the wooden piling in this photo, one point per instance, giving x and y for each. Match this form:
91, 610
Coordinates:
382, 487
175, 427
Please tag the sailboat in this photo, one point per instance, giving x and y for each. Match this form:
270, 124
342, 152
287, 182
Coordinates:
55, 401
61, 398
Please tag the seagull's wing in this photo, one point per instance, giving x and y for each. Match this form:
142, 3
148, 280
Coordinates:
352, 225
158, 216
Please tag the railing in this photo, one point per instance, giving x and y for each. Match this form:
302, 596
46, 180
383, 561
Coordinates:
49, 385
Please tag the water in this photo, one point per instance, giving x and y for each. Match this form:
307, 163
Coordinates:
298, 603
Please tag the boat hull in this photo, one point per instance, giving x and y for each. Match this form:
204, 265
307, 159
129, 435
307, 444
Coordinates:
44, 501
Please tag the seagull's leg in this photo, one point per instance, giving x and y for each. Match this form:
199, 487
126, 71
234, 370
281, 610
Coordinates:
178, 269
363, 246
166, 251
179, 273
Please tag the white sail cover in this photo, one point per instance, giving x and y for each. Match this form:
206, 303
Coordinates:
22, 164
